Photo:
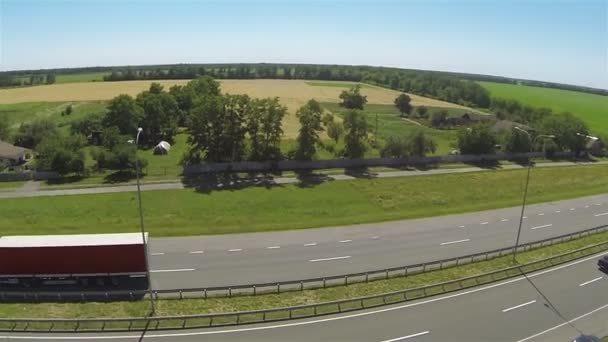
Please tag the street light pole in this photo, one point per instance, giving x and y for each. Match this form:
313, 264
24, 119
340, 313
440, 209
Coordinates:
523, 205
141, 225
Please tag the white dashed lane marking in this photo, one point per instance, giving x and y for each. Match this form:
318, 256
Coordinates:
543, 226
235, 250
452, 242
329, 259
310, 244
273, 247
196, 252
590, 281
519, 306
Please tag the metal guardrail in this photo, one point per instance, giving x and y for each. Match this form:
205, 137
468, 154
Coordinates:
292, 285
286, 313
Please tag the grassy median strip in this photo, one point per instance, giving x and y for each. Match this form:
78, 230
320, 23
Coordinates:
188, 212
171, 307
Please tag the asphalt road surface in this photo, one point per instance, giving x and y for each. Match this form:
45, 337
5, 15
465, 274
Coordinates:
511, 310
276, 256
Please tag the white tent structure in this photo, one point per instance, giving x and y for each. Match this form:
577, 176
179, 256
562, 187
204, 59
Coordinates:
162, 147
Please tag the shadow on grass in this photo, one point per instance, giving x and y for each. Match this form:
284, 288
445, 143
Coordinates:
120, 177
208, 183
310, 179
64, 180
360, 172
485, 164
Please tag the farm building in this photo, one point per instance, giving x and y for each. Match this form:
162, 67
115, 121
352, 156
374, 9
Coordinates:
13, 155
162, 147
594, 146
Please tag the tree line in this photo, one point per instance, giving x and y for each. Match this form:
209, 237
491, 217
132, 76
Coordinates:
425, 83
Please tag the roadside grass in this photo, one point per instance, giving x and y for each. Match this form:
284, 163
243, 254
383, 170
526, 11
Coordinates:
10, 185
391, 124
590, 108
84, 77
296, 206
171, 307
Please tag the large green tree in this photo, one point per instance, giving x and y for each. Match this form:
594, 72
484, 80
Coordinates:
309, 116
30, 134
264, 127
565, 127
217, 128
62, 154
352, 98
478, 139
124, 113
402, 102
160, 114
357, 128
517, 141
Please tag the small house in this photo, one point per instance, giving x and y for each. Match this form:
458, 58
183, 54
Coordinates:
13, 155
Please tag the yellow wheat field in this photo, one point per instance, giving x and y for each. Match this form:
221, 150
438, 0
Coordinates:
292, 93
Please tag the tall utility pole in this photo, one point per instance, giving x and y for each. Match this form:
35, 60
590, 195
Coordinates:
523, 205
141, 225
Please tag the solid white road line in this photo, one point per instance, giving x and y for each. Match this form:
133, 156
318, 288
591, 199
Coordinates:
176, 270
345, 241
543, 226
565, 323
235, 250
407, 337
602, 214
160, 253
451, 242
519, 306
196, 252
330, 319
273, 247
328, 259
484, 222
590, 281
310, 244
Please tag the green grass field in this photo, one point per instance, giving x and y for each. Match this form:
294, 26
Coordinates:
25, 112
170, 307
85, 77
187, 212
589, 107
391, 124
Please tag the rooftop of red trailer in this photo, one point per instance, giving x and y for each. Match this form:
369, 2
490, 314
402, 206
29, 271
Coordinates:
31, 241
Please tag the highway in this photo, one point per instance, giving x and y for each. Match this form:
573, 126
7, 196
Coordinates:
510, 310
276, 256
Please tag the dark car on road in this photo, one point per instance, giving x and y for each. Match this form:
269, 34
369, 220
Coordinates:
603, 264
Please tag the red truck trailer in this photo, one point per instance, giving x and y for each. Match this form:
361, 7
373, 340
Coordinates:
90, 259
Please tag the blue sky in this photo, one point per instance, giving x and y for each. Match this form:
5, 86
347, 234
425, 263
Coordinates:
561, 41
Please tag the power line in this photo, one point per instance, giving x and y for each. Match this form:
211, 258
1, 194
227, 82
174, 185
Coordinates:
548, 302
